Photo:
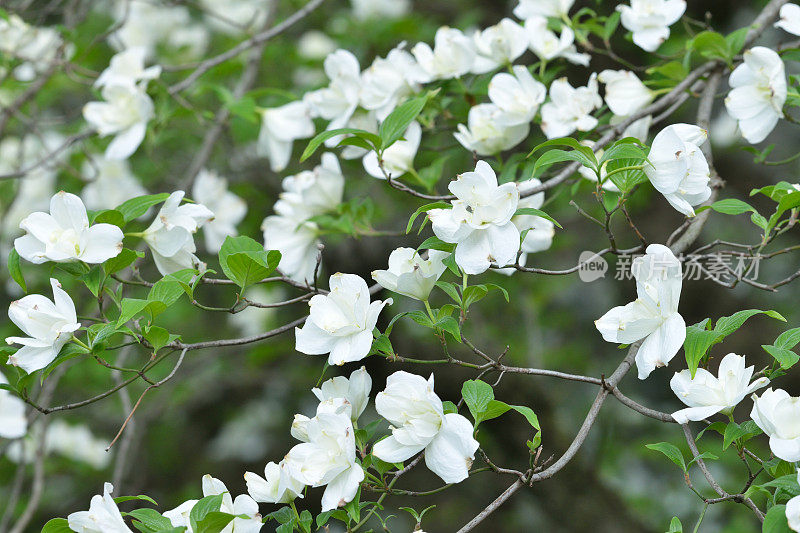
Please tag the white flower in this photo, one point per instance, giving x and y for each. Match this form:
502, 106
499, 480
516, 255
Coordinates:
542, 8
314, 44
625, 93
649, 20
339, 100
389, 80
340, 322
653, 316
125, 114
452, 56
778, 415
369, 9
489, 130
707, 395
758, 92
234, 18
499, 45
112, 183
480, 220
548, 46
398, 158
355, 390
103, 515
540, 230
77, 443
570, 108
296, 241
418, 423
277, 485
518, 95
36, 48
790, 21
311, 193
327, 457
145, 24
793, 505
13, 423
64, 234
242, 505
127, 67
411, 275
49, 324
211, 190
280, 127
170, 235
677, 167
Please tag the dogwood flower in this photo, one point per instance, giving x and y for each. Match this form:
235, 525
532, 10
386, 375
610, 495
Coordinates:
312, 192
125, 113
790, 21
570, 108
793, 505
499, 45
542, 8
653, 317
388, 80
411, 275
127, 67
398, 158
103, 515
297, 242
518, 95
170, 235
354, 390
418, 423
370, 9
280, 127
242, 505
211, 190
625, 93
479, 223
339, 100
540, 231
49, 324
341, 322
707, 395
277, 485
452, 56
649, 20
777, 414
758, 92
145, 24
36, 48
488, 130
677, 167
13, 422
112, 183
64, 234
548, 46
327, 456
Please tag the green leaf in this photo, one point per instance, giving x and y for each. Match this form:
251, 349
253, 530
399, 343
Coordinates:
673, 70
450, 325
529, 415
728, 324
201, 509
15, 271
710, 45
734, 431
108, 216
140, 497
612, 22
788, 339
57, 525
424, 209
450, 289
477, 395
123, 260
136, 207
158, 337
435, 243
675, 525
245, 262
732, 206
395, 125
531, 211
473, 294
449, 407
317, 141
131, 307
671, 451
93, 279
214, 522
495, 409
775, 520
149, 520
552, 157
786, 358
736, 40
